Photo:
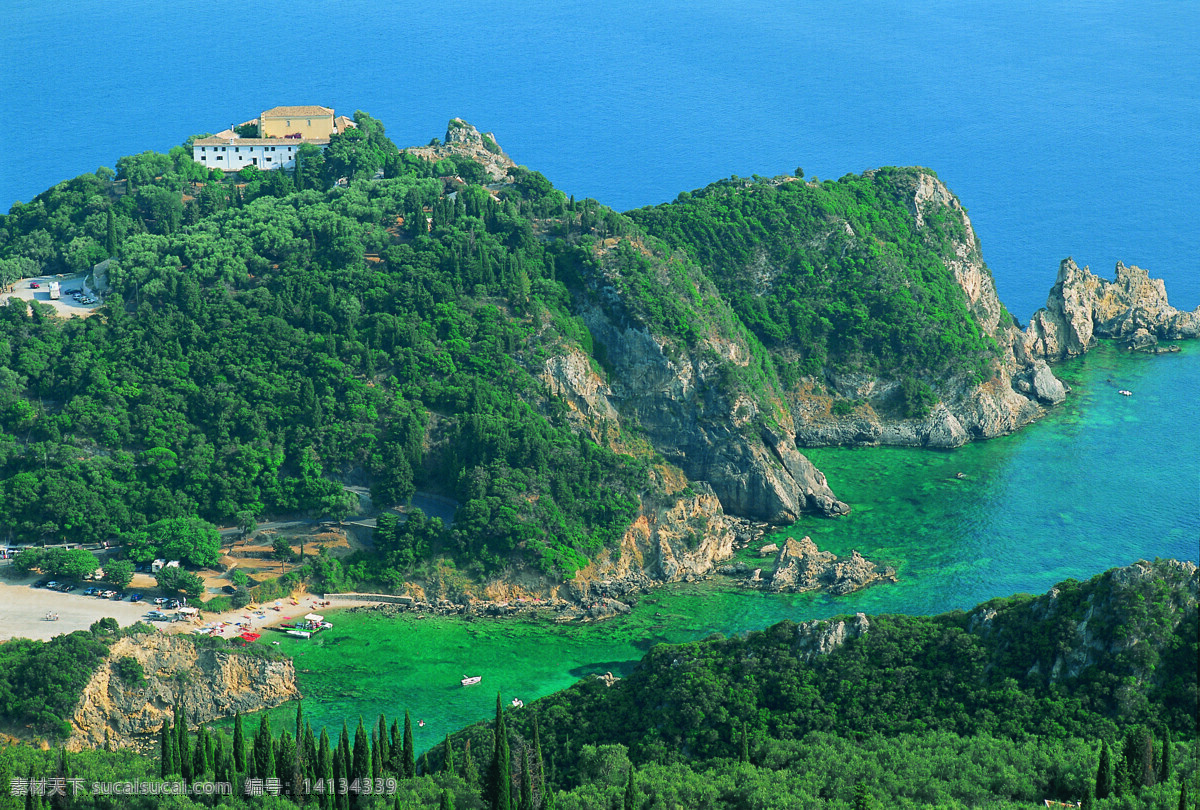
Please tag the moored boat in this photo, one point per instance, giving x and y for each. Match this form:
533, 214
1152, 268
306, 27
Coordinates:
470, 680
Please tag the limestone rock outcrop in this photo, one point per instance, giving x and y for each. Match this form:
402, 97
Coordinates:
675, 397
821, 637
801, 566
209, 682
464, 140
677, 537
1082, 307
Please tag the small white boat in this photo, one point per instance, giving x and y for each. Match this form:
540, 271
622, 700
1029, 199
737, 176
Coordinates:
299, 633
518, 703
1125, 393
471, 680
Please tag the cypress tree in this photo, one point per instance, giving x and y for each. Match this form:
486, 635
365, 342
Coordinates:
264, 751
200, 757
1164, 762
408, 762
360, 762
630, 791
447, 801
1104, 773
499, 774
448, 761
384, 751
310, 753
324, 771
184, 746
165, 750
862, 799
110, 242
539, 761
239, 744
1183, 796
299, 720
395, 745
423, 765
744, 754
343, 801
470, 772
338, 800
376, 755
107, 743
526, 801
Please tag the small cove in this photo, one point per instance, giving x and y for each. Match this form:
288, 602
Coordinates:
1102, 480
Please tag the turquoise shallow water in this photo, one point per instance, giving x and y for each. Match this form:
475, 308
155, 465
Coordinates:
1102, 481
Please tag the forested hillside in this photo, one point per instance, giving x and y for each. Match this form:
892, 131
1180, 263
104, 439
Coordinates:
842, 274
883, 711
547, 363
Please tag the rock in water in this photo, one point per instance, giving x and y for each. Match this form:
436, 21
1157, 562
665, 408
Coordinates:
801, 566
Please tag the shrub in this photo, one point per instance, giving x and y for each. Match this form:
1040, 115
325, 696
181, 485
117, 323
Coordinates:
129, 670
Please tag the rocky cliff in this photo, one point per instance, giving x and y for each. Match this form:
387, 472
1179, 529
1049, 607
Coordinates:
1136, 624
209, 682
464, 140
674, 395
1083, 307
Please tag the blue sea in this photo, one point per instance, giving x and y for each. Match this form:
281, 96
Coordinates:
1067, 128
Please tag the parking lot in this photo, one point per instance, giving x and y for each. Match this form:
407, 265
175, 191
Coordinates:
67, 305
23, 610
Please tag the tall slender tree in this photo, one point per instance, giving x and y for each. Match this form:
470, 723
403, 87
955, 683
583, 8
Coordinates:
447, 801
539, 761
385, 753
324, 771
1104, 773
376, 755
525, 802
499, 788
166, 750
264, 750
408, 760
360, 763
239, 744
630, 790
184, 746
1164, 762
448, 760
470, 770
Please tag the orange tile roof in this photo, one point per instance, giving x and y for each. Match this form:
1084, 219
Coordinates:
296, 112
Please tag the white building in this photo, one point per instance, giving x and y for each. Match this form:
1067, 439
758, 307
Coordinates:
228, 152
288, 128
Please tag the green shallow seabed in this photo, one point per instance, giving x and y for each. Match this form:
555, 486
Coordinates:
1102, 481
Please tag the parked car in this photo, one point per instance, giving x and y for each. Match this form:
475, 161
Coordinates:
67, 587
41, 583
90, 591
160, 600
33, 285
157, 616
52, 584
137, 597
117, 597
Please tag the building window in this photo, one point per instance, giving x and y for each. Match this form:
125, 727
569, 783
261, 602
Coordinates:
287, 123
310, 122
219, 157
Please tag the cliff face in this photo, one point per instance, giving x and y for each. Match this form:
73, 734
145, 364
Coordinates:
1019, 389
676, 398
210, 683
1082, 307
